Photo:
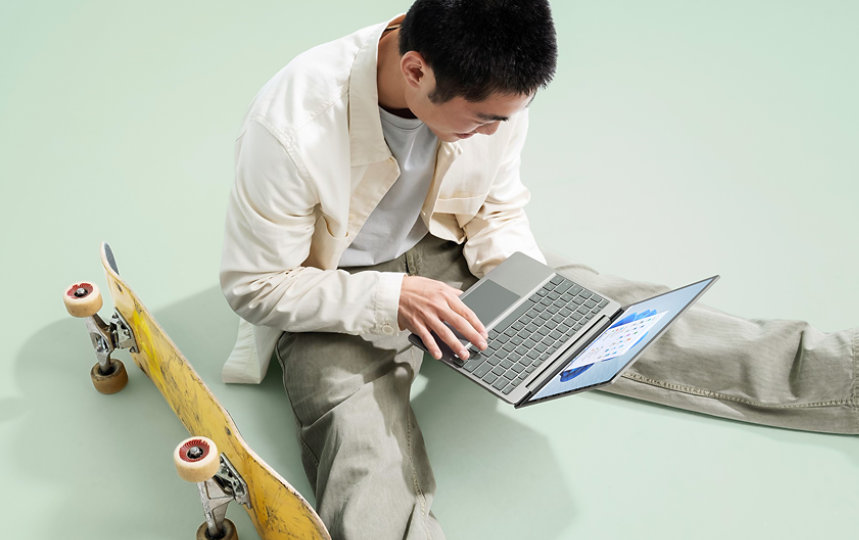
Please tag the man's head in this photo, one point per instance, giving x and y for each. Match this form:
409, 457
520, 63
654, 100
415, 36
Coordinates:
480, 47
469, 64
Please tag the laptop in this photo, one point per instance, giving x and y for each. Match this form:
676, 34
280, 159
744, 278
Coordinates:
550, 337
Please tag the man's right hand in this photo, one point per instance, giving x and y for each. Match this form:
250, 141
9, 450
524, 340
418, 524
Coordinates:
426, 305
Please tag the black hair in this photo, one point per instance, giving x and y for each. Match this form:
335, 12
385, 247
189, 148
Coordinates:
480, 47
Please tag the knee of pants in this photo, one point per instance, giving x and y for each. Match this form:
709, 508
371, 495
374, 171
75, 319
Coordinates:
323, 371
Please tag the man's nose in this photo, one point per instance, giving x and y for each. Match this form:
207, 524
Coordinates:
488, 129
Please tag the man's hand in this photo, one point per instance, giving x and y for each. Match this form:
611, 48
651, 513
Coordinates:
426, 304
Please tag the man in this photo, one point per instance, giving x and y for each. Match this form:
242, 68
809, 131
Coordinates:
376, 176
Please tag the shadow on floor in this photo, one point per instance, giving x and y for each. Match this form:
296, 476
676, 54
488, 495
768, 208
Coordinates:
105, 461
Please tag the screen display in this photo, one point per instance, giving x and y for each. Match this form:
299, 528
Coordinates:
618, 345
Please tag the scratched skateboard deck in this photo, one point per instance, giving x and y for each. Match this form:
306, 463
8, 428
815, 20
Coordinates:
277, 510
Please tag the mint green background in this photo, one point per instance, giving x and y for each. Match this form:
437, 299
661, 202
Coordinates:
720, 137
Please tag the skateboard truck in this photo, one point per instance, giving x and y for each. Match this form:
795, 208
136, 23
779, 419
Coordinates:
108, 375
197, 460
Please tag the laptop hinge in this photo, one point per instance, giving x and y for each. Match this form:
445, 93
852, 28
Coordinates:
567, 354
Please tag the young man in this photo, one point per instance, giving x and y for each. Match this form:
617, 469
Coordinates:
376, 176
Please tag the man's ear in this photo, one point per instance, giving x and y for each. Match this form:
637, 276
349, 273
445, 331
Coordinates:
415, 69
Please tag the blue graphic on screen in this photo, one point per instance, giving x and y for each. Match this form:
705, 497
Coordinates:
626, 324
620, 343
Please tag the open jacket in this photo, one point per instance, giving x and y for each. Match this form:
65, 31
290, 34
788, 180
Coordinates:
311, 165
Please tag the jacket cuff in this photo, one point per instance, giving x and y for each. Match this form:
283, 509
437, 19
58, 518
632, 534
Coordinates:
387, 303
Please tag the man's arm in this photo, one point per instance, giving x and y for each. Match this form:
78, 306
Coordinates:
499, 229
271, 218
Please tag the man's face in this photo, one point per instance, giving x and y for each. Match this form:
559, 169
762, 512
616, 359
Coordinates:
458, 118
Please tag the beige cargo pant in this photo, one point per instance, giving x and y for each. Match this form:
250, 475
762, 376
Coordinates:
364, 453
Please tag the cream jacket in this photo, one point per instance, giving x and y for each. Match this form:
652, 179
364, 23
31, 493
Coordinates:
311, 165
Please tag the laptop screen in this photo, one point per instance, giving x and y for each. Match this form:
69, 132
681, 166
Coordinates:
617, 346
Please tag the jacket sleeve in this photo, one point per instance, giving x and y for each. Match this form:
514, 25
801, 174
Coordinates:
501, 226
272, 213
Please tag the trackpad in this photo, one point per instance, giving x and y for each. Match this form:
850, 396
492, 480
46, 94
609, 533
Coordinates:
488, 300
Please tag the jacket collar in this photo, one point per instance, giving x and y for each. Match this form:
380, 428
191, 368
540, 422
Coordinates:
366, 141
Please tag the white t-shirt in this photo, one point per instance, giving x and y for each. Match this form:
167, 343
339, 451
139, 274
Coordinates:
395, 225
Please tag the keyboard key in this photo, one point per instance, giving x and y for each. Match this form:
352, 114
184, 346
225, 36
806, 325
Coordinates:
482, 370
473, 363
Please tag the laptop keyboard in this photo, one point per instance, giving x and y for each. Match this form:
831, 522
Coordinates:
519, 344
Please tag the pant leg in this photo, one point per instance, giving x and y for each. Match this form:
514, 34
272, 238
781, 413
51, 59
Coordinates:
362, 448
775, 372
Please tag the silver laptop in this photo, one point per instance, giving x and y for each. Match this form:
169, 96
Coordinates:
549, 336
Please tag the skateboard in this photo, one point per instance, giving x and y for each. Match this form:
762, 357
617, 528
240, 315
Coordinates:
216, 457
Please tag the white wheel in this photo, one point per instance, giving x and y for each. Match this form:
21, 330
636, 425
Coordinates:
197, 459
82, 299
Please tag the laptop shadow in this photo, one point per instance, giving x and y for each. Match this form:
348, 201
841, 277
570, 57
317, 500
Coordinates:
495, 474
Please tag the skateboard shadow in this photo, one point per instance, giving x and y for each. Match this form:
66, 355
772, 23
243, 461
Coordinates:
97, 465
101, 465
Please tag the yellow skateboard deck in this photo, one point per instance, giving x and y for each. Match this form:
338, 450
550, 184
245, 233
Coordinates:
277, 510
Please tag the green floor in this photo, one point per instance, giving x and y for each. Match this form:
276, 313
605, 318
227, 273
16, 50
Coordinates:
717, 137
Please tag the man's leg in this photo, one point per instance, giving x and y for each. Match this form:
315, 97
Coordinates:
774, 372
362, 448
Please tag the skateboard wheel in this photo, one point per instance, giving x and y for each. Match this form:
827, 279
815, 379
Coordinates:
82, 299
197, 459
229, 532
111, 382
